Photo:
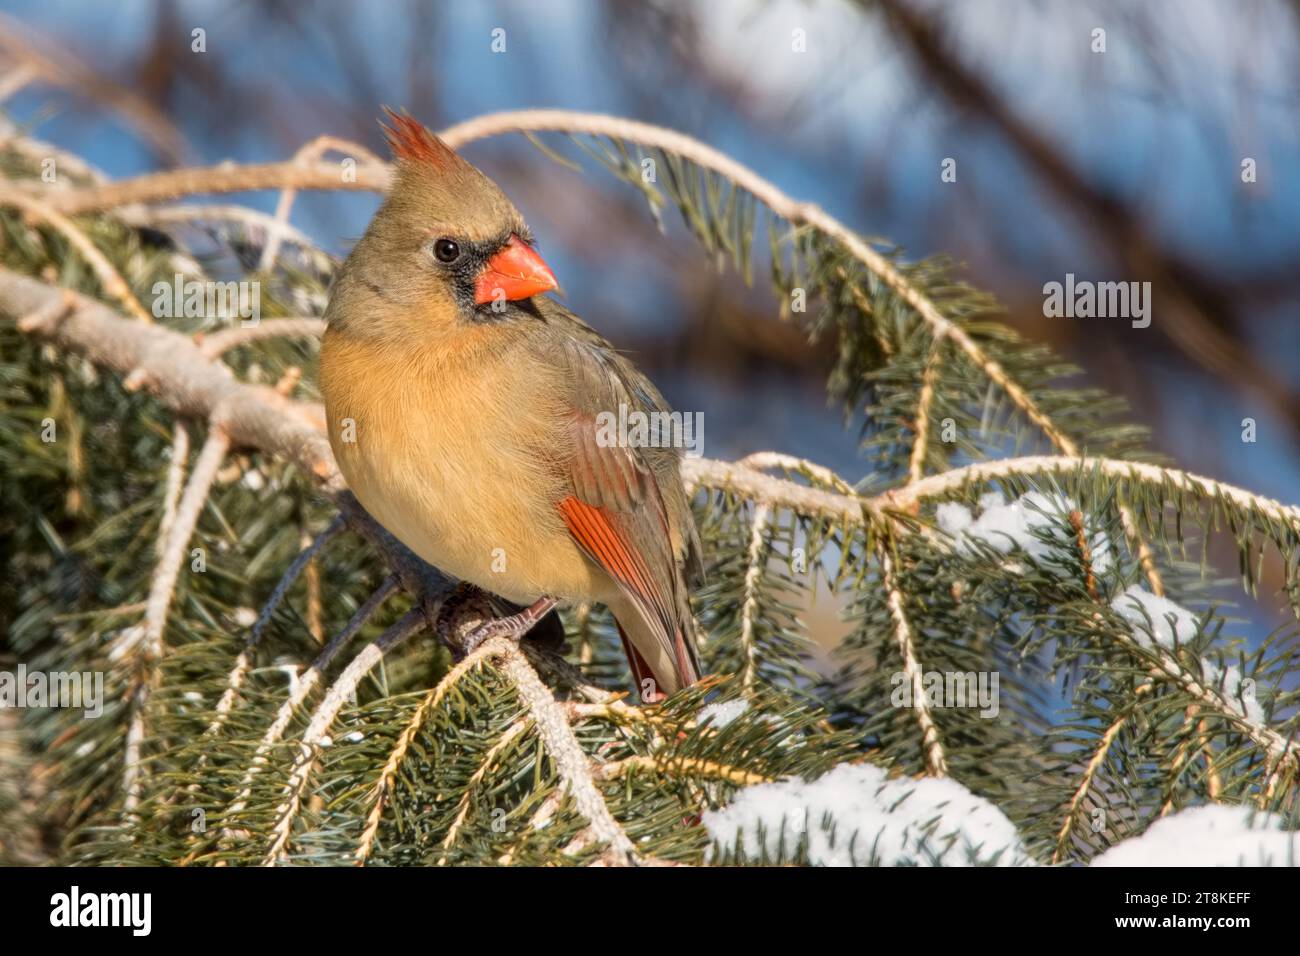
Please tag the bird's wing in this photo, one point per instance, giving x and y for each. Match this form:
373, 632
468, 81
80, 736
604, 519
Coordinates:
628, 509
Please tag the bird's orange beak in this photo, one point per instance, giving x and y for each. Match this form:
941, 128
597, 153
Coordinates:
516, 272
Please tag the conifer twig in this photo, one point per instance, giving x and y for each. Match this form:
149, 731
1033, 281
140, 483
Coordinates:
244, 662
1089, 774
768, 460
180, 453
206, 466
225, 178
737, 776
112, 281
936, 763
340, 692
159, 601
757, 559
383, 786
305, 685
848, 509
38, 151
516, 730
557, 736
309, 152
252, 220
916, 463
215, 344
984, 472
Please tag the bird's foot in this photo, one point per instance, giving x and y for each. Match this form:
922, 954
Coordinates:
513, 627
459, 614
468, 616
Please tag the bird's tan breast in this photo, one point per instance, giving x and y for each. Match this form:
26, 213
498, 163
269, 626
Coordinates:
454, 449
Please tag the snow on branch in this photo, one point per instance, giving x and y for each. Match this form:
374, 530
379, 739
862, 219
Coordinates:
857, 815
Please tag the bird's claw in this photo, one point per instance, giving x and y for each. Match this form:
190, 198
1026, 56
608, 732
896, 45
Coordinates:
512, 628
469, 616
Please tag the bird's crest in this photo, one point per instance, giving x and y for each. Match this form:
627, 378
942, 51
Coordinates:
411, 141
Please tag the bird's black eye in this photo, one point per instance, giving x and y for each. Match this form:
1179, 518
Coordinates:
446, 250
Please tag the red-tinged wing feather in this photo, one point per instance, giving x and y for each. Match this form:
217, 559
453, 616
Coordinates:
600, 534
628, 509
603, 535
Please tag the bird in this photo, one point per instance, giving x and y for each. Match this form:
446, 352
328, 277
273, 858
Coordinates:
464, 407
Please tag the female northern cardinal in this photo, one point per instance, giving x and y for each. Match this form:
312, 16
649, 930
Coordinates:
463, 406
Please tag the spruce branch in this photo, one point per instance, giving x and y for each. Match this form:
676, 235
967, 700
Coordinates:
322, 719
34, 151
936, 763
754, 485
983, 473
161, 593
737, 776
254, 222
386, 777
507, 740
310, 152
216, 344
594, 771
179, 458
916, 464
109, 277
1089, 776
769, 460
307, 683
570, 761
231, 178
757, 557
244, 662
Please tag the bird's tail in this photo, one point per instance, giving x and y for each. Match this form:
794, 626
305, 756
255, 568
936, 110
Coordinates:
654, 687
